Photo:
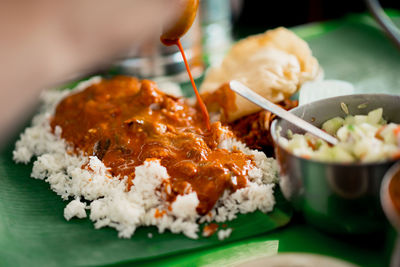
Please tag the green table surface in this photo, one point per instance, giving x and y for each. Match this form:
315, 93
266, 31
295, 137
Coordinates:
353, 49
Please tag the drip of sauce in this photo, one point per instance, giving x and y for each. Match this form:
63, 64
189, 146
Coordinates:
222, 100
203, 108
199, 100
171, 36
124, 122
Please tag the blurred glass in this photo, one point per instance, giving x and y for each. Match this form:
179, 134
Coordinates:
205, 43
216, 16
154, 60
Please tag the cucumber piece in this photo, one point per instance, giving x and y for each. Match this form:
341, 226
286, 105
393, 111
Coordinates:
375, 116
343, 134
332, 125
289, 134
349, 120
358, 119
341, 155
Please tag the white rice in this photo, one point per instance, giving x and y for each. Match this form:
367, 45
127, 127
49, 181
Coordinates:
106, 198
222, 234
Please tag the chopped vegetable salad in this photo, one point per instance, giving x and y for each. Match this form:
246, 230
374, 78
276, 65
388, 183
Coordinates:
362, 138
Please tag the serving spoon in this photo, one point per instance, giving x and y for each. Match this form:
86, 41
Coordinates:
183, 22
252, 96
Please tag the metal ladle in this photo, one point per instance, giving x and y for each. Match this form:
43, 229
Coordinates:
252, 96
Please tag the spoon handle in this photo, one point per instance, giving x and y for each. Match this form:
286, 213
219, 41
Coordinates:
252, 96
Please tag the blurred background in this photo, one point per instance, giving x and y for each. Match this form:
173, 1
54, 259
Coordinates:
257, 16
50, 43
219, 23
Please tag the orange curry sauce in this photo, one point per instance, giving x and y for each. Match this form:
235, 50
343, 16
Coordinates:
124, 121
196, 92
210, 229
394, 191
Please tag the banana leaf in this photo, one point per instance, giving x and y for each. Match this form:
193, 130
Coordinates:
33, 231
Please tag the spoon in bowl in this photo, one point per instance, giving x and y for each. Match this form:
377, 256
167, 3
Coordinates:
252, 96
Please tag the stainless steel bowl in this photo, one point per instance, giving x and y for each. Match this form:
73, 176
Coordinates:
337, 197
390, 210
